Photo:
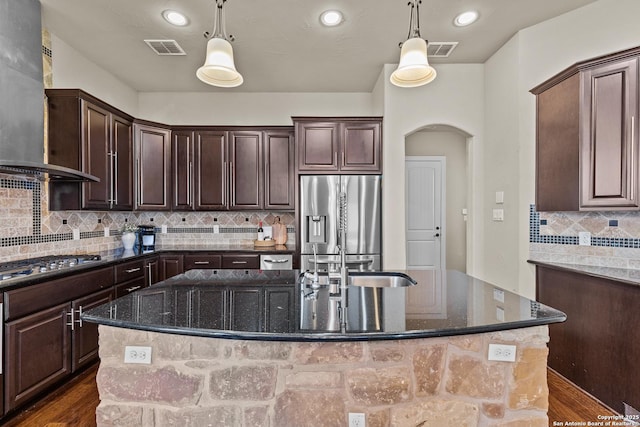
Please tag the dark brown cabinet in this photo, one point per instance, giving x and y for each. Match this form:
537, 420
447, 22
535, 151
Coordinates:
239, 169
171, 265
45, 340
278, 314
153, 167
87, 134
587, 138
202, 261
339, 144
279, 170
240, 261
241, 302
85, 335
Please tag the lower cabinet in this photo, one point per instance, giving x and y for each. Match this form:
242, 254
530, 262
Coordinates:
171, 265
37, 353
46, 346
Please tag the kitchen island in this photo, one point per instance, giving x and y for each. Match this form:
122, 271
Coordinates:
234, 348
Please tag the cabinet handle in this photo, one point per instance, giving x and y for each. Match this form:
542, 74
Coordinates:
276, 261
111, 167
335, 158
201, 263
79, 316
139, 175
189, 178
115, 179
343, 159
238, 262
133, 288
132, 270
71, 322
632, 163
225, 175
150, 278
232, 185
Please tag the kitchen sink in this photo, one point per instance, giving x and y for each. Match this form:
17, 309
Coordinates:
380, 279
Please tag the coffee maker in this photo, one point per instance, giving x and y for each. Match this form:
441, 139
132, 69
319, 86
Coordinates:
146, 238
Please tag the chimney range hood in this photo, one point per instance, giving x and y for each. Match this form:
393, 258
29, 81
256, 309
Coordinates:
22, 99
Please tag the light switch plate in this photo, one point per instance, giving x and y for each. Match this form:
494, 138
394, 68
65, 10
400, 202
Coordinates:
498, 295
498, 214
499, 197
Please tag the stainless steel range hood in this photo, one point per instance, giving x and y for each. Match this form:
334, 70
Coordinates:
22, 99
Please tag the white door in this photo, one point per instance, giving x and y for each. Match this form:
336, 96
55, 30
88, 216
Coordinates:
425, 194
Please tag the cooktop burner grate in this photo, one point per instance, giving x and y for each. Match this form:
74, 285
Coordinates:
26, 267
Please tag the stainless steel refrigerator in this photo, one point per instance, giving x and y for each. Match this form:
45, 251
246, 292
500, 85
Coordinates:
319, 214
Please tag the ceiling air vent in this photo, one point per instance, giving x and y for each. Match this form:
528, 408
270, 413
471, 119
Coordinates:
165, 47
440, 49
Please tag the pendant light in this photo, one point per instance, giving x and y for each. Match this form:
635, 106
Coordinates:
414, 69
219, 68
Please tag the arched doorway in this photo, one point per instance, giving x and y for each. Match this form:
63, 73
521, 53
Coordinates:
437, 201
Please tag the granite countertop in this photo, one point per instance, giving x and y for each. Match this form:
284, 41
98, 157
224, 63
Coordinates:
120, 255
187, 303
624, 275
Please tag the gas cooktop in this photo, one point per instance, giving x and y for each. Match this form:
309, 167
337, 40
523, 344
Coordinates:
27, 267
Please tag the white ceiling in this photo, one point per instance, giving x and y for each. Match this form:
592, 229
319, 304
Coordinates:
280, 45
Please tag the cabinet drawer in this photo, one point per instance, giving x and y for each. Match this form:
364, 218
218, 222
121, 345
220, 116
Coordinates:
31, 299
241, 261
129, 270
192, 262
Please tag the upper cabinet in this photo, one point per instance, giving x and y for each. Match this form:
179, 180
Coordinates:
88, 135
587, 137
153, 166
339, 144
237, 169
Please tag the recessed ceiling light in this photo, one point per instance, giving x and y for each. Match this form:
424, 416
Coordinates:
466, 18
331, 18
175, 18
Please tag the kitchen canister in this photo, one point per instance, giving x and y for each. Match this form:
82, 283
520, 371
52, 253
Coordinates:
279, 232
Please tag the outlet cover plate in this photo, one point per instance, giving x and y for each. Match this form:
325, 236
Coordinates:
137, 354
584, 238
502, 352
356, 419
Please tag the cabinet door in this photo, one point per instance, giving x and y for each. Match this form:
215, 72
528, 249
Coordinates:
244, 303
211, 173
245, 164
317, 146
279, 310
609, 144
85, 334
279, 168
96, 153
361, 147
170, 265
153, 167
558, 147
36, 353
122, 158
182, 163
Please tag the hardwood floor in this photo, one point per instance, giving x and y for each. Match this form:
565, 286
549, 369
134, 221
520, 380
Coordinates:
568, 403
74, 404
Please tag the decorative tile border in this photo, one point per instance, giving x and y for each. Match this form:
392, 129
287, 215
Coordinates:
535, 222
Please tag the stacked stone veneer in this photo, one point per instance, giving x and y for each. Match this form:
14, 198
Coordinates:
194, 381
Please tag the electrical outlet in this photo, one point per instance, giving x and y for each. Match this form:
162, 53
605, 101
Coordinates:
76, 234
500, 314
163, 228
137, 354
216, 229
356, 419
106, 232
502, 352
584, 238
498, 214
498, 295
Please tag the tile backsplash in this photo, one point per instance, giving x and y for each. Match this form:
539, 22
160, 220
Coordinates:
28, 229
615, 238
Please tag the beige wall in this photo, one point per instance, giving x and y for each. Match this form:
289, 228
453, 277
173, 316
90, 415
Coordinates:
453, 146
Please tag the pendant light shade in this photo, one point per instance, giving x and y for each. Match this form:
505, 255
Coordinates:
414, 69
219, 68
